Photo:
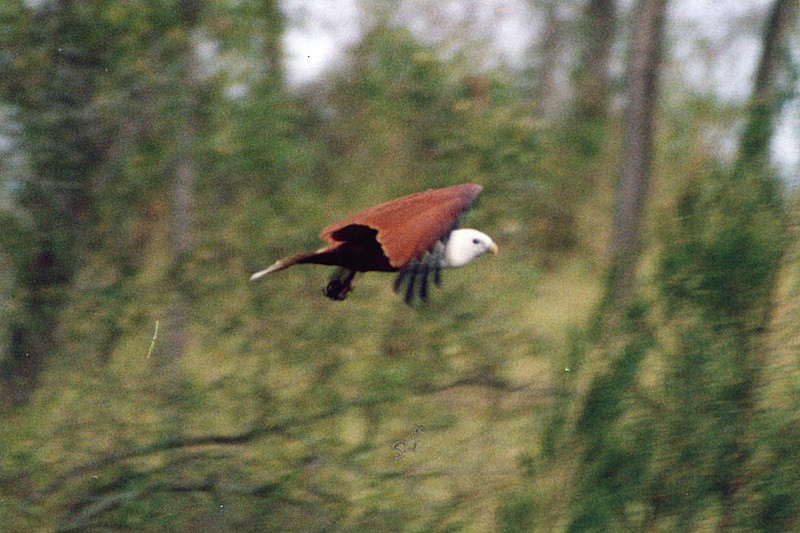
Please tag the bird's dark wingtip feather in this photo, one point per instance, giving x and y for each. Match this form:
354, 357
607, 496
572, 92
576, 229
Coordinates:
423, 283
412, 272
398, 281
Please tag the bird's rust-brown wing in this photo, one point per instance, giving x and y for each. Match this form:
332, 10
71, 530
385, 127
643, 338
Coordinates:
407, 227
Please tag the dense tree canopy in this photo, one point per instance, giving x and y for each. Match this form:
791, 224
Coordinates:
153, 156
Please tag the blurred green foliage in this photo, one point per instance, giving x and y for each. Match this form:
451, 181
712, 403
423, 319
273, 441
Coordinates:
679, 413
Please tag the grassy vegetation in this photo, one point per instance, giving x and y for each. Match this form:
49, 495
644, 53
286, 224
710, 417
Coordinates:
542, 409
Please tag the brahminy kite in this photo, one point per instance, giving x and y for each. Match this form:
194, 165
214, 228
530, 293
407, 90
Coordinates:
414, 235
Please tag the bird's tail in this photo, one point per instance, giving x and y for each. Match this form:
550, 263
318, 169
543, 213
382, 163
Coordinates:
286, 262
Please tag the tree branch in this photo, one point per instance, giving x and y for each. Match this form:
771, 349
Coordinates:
258, 431
84, 519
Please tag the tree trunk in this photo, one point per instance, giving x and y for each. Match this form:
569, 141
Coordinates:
550, 51
53, 91
752, 162
186, 103
767, 97
273, 39
643, 67
592, 79
181, 206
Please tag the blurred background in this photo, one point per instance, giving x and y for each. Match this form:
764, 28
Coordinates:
628, 362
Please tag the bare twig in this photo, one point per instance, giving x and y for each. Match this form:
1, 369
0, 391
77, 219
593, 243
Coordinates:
153, 342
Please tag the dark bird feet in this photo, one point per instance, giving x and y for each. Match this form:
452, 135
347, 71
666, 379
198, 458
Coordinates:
340, 284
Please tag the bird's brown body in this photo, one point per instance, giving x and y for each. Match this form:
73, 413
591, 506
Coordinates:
402, 234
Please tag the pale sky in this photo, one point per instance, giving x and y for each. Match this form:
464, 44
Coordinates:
712, 41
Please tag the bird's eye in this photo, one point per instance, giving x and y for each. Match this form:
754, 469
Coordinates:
475, 241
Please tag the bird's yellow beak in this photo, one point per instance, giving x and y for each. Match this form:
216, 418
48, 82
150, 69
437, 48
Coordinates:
494, 249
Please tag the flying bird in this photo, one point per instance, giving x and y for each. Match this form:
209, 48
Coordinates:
415, 236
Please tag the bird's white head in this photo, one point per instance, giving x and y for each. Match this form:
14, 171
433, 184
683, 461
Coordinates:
464, 245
